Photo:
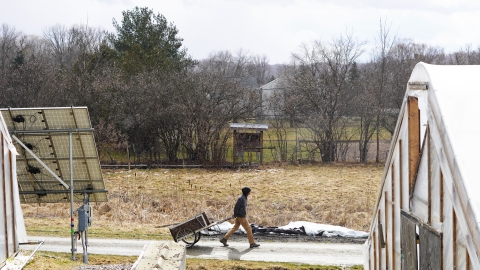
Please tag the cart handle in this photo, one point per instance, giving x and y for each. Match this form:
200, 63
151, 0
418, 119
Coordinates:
218, 222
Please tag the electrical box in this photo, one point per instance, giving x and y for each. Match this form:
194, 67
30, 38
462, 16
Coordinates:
82, 220
89, 210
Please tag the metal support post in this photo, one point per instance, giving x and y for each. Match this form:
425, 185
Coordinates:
72, 213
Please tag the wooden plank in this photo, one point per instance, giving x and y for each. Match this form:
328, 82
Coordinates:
441, 196
380, 241
14, 232
5, 218
413, 138
261, 147
194, 224
386, 214
393, 216
454, 234
429, 180
467, 263
375, 250
234, 149
430, 248
400, 167
408, 243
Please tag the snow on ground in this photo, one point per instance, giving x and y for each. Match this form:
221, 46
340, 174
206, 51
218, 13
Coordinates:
328, 230
310, 229
16, 263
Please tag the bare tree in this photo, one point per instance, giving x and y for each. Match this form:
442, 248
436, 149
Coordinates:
278, 118
68, 45
259, 68
217, 96
380, 60
8, 45
365, 104
465, 56
318, 86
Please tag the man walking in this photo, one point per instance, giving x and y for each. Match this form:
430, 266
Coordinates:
240, 214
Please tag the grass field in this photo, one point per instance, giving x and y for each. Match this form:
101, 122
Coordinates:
142, 201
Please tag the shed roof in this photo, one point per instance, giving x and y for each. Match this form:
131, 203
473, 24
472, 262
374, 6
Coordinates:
256, 127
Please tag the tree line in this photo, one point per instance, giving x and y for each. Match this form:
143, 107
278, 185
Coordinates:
145, 93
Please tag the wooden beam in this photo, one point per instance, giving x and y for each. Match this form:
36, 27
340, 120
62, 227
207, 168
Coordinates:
429, 179
375, 250
400, 168
234, 149
261, 147
413, 138
393, 216
387, 228
5, 217
454, 234
14, 232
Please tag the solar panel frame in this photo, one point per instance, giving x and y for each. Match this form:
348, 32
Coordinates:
46, 132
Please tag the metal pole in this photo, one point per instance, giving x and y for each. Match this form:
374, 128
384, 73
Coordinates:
72, 217
296, 142
86, 206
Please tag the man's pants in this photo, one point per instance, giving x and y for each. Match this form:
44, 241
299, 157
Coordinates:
244, 222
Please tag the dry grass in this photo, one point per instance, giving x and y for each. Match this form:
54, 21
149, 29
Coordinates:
140, 200
63, 261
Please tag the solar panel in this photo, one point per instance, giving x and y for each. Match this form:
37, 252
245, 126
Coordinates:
42, 139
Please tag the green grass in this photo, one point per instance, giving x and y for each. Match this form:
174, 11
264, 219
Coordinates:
270, 137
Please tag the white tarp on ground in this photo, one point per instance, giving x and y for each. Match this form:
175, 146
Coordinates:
310, 229
10, 197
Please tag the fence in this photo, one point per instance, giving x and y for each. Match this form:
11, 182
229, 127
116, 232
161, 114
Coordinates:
303, 151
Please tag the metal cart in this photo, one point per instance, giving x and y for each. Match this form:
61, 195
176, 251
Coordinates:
189, 231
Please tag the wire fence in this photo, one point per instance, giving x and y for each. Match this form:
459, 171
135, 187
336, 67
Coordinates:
303, 151
273, 151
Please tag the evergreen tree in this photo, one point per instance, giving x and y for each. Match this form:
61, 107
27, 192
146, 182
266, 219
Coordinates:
147, 42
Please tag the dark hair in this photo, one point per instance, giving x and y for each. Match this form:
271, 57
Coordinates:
246, 190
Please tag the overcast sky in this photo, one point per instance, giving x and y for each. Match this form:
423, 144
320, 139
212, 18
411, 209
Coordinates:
274, 28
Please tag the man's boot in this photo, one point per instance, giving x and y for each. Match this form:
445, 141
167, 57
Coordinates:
224, 242
254, 245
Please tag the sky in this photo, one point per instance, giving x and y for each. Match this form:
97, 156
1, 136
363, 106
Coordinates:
271, 28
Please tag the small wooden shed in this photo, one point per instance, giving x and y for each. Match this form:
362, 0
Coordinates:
428, 210
12, 226
247, 138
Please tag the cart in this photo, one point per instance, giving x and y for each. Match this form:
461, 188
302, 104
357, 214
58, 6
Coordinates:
189, 231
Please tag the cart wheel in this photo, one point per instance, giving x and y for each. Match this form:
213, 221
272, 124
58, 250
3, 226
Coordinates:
197, 237
189, 236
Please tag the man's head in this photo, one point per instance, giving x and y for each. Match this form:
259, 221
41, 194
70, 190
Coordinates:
246, 191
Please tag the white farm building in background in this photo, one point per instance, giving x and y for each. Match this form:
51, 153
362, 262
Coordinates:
12, 226
428, 208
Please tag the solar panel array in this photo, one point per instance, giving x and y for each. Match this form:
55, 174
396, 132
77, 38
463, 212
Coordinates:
46, 133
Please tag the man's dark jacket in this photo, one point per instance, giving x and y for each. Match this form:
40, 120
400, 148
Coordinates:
240, 209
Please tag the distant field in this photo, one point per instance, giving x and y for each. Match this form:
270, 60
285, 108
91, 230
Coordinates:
142, 200
299, 146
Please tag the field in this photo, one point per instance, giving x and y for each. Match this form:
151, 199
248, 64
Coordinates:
142, 202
